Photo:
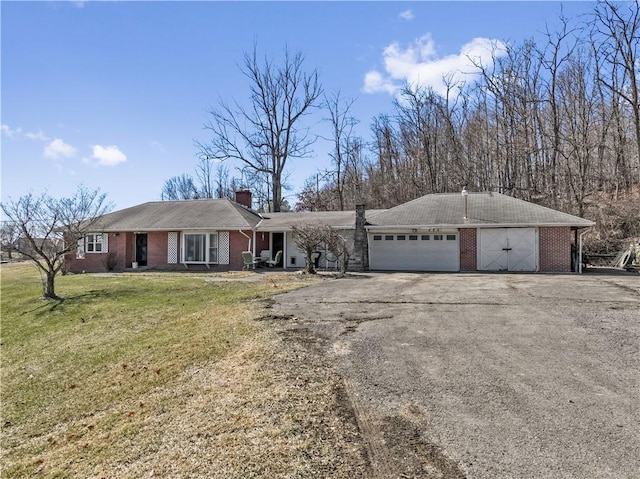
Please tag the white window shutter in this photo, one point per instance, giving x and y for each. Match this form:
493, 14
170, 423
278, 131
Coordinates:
105, 242
172, 247
80, 250
223, 247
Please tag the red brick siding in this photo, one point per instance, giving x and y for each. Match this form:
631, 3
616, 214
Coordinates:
468, 249
237, 244
157, 249
92, 262
117, 249
122, 248
262, 242
555, 249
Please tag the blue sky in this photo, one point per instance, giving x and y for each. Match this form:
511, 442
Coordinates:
112, 95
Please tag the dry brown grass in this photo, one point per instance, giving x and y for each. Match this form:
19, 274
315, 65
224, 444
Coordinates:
264, 404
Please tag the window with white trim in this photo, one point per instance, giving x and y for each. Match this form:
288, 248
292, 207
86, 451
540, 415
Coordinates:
213, 248
93, 243
200, 248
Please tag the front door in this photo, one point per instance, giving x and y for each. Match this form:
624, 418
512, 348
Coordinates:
277, 244
141, 249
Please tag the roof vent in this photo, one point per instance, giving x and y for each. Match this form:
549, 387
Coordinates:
465, 195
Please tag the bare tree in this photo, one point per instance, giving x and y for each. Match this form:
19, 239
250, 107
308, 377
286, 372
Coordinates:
212, 180
9, 234
559, 49
339, 246
205, 175
309, 238
181, 187
50, 228
342, 125
618, 24
578, 128
266, 134
313, 237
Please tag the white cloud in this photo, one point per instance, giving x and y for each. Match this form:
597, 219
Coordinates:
374, 82
10, 132
406, 15
59, 149
37, 135
108, 155
18, 132
419, 65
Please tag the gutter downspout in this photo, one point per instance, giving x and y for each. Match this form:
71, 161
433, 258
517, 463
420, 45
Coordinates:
580, 251
249, 243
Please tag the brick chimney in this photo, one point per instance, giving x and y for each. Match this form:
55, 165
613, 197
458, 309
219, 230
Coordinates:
243, 197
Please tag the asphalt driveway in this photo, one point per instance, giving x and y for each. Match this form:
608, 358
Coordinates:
485, 375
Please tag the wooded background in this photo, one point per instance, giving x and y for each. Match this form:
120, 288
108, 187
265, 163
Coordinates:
555, 122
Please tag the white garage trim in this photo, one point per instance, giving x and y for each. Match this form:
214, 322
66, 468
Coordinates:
508, 249
414, 250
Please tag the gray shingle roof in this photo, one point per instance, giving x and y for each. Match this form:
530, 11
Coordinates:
430, 210
483, 209
336, 219
180, 215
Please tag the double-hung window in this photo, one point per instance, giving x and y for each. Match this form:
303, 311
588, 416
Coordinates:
93, 243
200, 248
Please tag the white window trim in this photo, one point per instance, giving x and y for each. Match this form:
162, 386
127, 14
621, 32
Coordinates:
207, 246
83, 245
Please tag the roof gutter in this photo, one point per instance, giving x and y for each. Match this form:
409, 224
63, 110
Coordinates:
580, 250
475, 225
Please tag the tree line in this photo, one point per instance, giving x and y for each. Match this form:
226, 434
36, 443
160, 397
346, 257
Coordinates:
555, 122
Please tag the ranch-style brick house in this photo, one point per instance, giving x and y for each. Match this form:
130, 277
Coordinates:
437, 232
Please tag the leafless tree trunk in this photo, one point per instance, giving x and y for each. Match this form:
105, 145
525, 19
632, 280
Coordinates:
559, 48
618, 24
9, 234
342, 125
265, 135
579, 128
50, 228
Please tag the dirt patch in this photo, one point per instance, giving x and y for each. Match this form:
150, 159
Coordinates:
411, 456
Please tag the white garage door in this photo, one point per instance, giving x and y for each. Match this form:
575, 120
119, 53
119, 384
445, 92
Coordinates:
508, 249
414, 251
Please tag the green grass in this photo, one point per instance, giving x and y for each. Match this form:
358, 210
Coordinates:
128, 371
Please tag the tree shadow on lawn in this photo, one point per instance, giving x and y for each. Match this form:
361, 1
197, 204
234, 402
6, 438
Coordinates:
49, 305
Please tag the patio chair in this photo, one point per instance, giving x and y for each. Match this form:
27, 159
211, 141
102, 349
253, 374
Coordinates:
265, 255
248, 261
331, 258
274, 262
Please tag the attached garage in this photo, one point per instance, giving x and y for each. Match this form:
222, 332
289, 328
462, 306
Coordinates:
414, 251
508, 249
474, 232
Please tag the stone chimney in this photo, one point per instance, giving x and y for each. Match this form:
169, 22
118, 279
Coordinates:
360, 259
243, 197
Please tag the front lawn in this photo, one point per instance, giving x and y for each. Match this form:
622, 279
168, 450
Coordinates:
167, 375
